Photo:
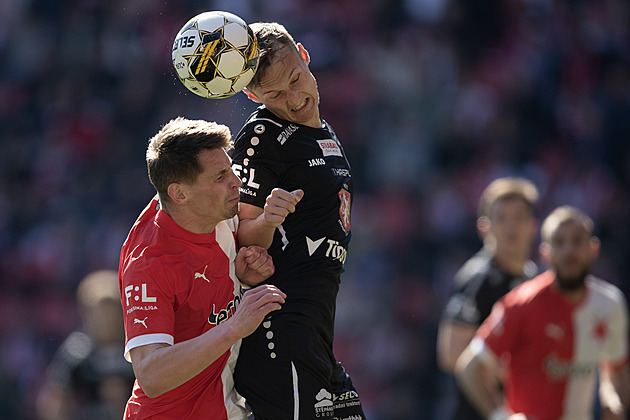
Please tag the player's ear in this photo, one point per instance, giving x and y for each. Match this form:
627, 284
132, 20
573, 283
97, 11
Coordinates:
177, 194
544, 249
304, 54
483, 226
594, 245
251, 95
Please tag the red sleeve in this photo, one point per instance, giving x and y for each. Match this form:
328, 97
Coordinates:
499, 331
147, 301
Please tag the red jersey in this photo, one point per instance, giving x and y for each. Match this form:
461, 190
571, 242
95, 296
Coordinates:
553, 348
176, 285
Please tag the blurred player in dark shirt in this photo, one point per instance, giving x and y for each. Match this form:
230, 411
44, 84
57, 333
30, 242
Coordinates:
507, 225
88, 378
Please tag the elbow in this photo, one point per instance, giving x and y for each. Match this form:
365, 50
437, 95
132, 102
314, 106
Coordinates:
463, 367
151, 389
445, 361
447, 365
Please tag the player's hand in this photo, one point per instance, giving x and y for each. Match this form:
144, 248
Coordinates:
253, 265
280, 204
255, 305
609, 414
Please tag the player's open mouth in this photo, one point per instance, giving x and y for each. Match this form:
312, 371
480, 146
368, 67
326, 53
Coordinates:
300, 106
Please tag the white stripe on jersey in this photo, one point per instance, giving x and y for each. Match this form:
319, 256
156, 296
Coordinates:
283, 232
267, 119
296, 394
602, 304
225, 238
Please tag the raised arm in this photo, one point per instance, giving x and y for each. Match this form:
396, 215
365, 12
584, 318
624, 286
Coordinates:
257, 226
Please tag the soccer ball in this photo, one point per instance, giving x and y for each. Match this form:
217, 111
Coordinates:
215, 54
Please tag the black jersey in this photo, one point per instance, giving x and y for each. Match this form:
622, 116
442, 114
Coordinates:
87, 373
478, 284
269, 153
290, 356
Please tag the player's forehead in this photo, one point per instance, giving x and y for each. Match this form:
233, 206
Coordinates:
284, 64
510, 204
214, 161
569, 229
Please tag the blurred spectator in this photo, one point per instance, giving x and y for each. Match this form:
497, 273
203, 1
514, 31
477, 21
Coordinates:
88, 379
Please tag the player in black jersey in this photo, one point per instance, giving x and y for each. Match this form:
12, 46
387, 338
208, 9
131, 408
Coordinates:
295, 199
507, 225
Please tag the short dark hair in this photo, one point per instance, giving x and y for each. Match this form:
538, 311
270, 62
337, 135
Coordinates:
271, 37
172, 154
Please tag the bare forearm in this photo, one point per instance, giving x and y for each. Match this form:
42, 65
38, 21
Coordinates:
478, 383
168, 367
453, 338
255, 232
614, 390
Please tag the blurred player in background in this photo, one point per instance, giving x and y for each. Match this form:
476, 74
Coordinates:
87, 379
551, 335
507, 225
184, 309
295, 201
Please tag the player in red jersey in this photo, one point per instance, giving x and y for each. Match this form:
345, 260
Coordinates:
184, 310
553, 334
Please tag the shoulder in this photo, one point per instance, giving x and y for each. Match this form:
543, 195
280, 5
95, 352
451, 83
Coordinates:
530, 290
474, 270
605, 290
264, 125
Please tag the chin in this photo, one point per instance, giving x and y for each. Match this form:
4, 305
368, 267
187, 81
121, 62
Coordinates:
570, 283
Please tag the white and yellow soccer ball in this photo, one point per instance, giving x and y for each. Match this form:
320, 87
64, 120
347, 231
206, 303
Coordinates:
215, 54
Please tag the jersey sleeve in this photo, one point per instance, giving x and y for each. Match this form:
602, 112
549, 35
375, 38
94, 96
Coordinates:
148, 307
616, 350
256, 162
500, 330
466, 304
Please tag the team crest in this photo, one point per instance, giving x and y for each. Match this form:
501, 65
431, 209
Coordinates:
344, 209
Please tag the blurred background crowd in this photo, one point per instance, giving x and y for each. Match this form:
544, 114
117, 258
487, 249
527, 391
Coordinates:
432, 99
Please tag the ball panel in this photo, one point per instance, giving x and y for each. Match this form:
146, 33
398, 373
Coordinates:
210, 21
196, 88
231, 63
243, 80
230, 17
235, 34
219, 85
203, 66
181, 66
187, 42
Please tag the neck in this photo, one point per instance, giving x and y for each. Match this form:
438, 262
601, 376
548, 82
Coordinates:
188, 220
573, 296
513, 265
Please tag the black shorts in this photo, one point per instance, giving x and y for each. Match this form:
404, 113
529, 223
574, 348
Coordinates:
286, 370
